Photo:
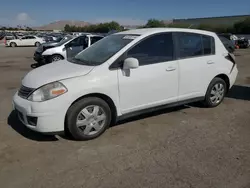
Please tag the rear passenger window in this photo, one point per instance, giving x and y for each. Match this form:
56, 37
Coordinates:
155, 49
208, 45
190, 45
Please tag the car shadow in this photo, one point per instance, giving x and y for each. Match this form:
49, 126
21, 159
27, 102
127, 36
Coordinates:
139, 117
18, 126
239, 92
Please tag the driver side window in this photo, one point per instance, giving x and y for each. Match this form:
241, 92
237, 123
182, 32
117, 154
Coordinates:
79, 41
155, 49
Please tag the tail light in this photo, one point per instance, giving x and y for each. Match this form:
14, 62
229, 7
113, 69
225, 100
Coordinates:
231, 58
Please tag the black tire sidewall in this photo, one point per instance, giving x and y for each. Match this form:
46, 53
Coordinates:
75, 109
208, 102
37, 44
13, 44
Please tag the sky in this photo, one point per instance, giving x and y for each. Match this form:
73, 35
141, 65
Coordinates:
126, 12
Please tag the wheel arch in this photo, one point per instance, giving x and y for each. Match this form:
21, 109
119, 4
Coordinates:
57, 55
13, 42
225, 78
102, 96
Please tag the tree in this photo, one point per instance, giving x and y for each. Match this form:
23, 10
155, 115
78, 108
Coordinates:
67, 28
29, 29
154, 23
242, 27
97, 28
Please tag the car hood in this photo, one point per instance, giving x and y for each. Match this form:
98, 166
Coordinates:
56, 71
45, 46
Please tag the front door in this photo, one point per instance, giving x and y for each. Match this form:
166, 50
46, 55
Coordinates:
23, 41
76, 46
155, 81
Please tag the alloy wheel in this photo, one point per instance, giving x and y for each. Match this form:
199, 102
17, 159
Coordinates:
217, 93
91, 120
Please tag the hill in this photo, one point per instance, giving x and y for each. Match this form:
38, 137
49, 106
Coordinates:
59, 25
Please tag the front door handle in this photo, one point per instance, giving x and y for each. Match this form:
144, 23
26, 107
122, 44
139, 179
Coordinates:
170, 68
210, 62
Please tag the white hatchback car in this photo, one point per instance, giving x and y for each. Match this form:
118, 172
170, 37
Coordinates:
122, 75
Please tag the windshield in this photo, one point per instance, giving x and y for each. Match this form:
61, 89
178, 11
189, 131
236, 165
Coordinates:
58, 39
65, 39
102, 50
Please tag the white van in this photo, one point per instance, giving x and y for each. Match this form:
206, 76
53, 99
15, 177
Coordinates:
65, 49
123, 75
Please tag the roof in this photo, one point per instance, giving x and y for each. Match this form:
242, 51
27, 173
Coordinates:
92, 35
148, 31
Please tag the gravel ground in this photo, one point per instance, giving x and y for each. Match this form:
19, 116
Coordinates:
184, 147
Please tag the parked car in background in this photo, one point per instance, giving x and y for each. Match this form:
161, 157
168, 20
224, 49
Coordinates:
10, 36
239, 42
53, 43
123, 75
65, 50
2, 35
243, 42
229, 44
29, 40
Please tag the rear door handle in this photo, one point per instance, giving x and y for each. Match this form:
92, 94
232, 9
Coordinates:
170, 68
210, 62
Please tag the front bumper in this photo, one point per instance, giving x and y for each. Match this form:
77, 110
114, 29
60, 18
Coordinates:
50, 115
40, 59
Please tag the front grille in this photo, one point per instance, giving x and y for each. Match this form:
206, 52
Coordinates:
24, 92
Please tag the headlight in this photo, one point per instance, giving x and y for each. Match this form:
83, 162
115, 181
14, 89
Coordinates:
47, 92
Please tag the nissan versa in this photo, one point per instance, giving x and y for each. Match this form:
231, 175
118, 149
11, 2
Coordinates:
122, 75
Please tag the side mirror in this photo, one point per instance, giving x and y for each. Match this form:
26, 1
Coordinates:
130, 63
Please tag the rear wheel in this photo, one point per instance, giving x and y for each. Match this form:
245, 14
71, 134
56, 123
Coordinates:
13, 44
88, 118
56, 58
215, 93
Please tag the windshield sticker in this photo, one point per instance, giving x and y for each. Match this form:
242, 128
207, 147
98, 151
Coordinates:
130, 37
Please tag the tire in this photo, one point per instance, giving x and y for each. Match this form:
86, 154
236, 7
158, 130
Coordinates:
83, 123
55, 58
216, 92
37, 44
13, 44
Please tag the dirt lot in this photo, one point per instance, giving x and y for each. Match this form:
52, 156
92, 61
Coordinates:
186, 147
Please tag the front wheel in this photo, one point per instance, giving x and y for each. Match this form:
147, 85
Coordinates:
56, 58
37, 44
88, 118
215, 93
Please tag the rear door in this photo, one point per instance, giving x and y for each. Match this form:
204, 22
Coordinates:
197, 61
31, 41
